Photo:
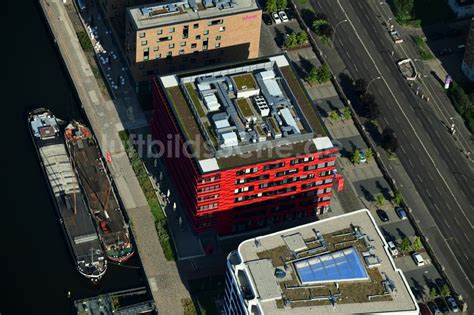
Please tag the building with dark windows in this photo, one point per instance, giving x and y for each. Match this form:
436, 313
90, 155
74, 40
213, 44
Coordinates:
244, 145
468, 60
171, 36
339, 265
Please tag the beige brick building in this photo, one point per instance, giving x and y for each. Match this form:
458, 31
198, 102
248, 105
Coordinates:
181, 35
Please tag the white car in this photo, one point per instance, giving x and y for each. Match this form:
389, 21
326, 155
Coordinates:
418, 259
392, 248
283, 16
276, 18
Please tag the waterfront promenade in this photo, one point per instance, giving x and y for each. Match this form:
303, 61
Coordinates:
163, 277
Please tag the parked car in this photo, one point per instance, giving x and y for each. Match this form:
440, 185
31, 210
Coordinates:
392, 248
383, 216
267, 19
434, 308
441, 303
276, 18
424, 309
402, 214
418, 259
283, 16
452, 304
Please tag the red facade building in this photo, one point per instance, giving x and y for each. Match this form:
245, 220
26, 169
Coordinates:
244, 146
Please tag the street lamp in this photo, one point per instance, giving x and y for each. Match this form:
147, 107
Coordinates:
371, 81
335, 29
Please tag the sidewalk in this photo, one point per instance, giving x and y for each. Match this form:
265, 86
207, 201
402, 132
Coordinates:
163, 277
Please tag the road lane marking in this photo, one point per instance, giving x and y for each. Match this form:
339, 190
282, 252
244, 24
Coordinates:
403, 150
457, 222
411, 126
419, 178
403, 112
467, 237
428, 192
409, 161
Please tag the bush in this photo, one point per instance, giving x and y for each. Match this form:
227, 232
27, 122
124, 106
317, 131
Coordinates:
320, 75
85, 41
390, 140
334, 116
397, 198
150, 194
423, 49
379, 200
405, 245
463, 104
356, 157
347, 114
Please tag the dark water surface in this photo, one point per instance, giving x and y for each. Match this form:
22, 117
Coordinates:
36, 270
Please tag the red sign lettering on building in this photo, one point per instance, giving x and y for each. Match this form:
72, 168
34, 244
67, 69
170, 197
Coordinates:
249, 17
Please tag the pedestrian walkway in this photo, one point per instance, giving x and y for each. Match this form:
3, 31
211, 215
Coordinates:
163, 276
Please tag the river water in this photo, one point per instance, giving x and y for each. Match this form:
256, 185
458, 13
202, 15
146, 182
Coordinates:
36, 269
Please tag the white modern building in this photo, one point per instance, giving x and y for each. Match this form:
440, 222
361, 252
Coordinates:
339, 265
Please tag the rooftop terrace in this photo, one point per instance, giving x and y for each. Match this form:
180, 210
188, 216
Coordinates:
252, 108
174, 12
340, 265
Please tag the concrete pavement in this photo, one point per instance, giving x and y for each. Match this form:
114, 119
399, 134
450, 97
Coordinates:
163, 277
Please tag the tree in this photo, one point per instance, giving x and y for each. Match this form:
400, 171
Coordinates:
323, 73
356, 157
390, 140
360, 86
369, 154
405, 245
281, 4
325, 30
459, 98
417, 245
403, 9
291, 41
445, 292
334, 116
321, 17
271, 6
433, 293
370, 108
312, 75
379, 200
347, 114
302, 38
397, 198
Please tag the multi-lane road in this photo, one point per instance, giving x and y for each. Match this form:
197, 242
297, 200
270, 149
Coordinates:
440, 172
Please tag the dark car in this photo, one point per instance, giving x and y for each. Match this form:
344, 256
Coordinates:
452, 304
424, 309
443, 307
434, 308
402, 214
382, 215
267, 19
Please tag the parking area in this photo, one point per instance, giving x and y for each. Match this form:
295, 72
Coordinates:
273, 35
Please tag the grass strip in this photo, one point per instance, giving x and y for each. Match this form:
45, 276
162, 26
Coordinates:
150, 195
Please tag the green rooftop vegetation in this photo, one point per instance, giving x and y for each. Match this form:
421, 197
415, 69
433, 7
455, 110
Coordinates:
244, 107
245, 81
305, 104
195, 98
211, 133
